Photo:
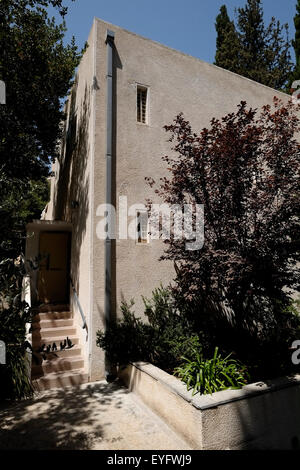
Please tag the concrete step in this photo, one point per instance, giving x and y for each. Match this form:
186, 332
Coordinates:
52, 323
56, 365
60, 379
50, 340
53, 308
52, 315
62, 368
54, 332
74, 351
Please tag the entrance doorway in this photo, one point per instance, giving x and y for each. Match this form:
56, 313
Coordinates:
53, 278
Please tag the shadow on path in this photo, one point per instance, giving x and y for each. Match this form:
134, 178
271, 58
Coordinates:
59, 419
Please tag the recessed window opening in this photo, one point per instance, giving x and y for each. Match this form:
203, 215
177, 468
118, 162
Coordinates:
142, 227
142, 99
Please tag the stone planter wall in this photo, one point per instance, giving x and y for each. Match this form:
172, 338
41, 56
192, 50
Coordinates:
259, 416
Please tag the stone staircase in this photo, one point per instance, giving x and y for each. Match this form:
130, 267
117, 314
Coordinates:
61, 368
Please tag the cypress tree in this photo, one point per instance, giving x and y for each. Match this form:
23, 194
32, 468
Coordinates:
252, 38
252, 49
296, 44
227, 42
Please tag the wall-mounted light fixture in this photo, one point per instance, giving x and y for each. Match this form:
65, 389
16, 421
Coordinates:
74, 204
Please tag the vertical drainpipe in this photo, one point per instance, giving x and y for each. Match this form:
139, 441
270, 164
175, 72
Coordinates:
110, 35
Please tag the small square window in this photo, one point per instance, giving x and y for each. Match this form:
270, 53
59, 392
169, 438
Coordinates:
142, 227
142, 98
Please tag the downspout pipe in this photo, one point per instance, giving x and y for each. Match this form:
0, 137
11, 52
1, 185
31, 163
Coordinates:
110, 36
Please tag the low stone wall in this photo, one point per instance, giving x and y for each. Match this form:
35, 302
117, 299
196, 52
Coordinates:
262, 415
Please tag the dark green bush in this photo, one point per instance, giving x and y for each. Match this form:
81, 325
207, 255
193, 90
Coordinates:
126, 340
14, 379
267, 354
14, 315
162, 341
169, 342
168, 334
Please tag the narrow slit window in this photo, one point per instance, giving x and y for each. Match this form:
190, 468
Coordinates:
142, 104
142, 227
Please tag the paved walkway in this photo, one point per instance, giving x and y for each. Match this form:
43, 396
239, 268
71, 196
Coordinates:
97, 415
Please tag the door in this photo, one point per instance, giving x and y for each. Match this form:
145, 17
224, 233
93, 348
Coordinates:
53, 279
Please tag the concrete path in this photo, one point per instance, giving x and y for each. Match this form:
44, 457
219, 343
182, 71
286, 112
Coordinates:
97, 415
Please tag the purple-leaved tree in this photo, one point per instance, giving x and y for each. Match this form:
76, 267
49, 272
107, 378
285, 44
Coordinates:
245, 170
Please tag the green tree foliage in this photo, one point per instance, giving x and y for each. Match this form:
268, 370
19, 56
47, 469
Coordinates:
296, 42
252, 49
162, 340
37, 69
228, 45
296, 45
14, 314
168, 341
244, 169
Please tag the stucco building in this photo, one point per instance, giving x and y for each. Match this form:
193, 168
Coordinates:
126, 89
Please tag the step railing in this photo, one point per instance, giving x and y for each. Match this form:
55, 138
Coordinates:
84, 325
26, 296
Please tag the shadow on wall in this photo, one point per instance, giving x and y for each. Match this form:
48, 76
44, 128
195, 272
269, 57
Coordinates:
72, 194
271, 420
117, 65
110, 282
61, 419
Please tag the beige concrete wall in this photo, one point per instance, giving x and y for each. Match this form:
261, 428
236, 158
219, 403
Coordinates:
72, 188
167, 397
267, 421
260, 416
80, 191
176, 83
97, 367
48, 212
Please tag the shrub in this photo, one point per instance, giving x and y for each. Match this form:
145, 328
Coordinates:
211, 375
244, 169
126, 340
171, 334
162, 341
267, 355
15, 382
14, 315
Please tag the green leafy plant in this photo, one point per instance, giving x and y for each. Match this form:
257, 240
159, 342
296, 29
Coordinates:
38, 68
15, 380
236, 287
211, 375
14, 315
127, 339
163, 340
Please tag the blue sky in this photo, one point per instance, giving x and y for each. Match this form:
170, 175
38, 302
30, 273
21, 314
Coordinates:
186, 25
